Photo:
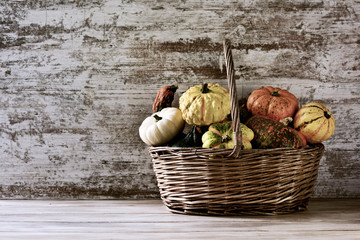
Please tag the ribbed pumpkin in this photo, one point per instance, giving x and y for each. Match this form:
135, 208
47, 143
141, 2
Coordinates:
220, 135
272, 134
161, 127
205, 104
273, 102
315, 122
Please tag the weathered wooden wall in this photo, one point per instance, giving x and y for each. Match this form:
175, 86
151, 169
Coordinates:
77, 77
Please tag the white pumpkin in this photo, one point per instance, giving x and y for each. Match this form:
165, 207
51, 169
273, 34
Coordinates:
161, 127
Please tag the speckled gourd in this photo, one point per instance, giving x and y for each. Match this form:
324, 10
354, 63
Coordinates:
273, 134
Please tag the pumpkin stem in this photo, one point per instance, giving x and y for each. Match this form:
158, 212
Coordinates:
205, 88
158, 118
286, 121
173, 88
275, 93
327, 114
225, 139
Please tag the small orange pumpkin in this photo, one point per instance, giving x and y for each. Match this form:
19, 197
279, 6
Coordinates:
273, 102
315, 122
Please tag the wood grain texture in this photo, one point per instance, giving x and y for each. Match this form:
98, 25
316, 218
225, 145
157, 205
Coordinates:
33, 219
78, 77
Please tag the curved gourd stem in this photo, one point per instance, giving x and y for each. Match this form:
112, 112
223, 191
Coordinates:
235, 115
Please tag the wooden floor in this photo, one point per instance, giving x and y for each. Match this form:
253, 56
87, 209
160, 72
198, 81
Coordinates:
149, 219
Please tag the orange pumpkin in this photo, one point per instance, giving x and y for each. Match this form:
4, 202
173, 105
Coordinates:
315, 122
273, 102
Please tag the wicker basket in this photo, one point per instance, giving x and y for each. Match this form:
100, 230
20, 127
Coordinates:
234, 181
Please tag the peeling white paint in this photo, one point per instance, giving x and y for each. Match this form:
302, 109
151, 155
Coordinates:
78, 78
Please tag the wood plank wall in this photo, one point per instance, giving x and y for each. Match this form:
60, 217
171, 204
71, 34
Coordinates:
77, 77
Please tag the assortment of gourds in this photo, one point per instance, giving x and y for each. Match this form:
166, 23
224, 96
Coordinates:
273, 119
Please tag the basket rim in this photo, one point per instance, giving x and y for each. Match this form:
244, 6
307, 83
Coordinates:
317, 146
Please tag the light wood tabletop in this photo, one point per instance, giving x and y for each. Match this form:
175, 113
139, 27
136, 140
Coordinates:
149, 219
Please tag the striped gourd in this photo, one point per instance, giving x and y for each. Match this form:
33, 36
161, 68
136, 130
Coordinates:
315, 122
220, 135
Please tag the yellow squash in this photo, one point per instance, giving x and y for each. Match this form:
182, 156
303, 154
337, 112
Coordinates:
205, 104
315, 122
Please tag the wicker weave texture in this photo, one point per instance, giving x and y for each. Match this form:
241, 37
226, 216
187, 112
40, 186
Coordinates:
272, 181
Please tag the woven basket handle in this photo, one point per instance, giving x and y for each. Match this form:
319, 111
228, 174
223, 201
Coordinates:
235, 115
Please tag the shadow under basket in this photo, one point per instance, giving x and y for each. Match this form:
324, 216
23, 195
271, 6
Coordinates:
260, 182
